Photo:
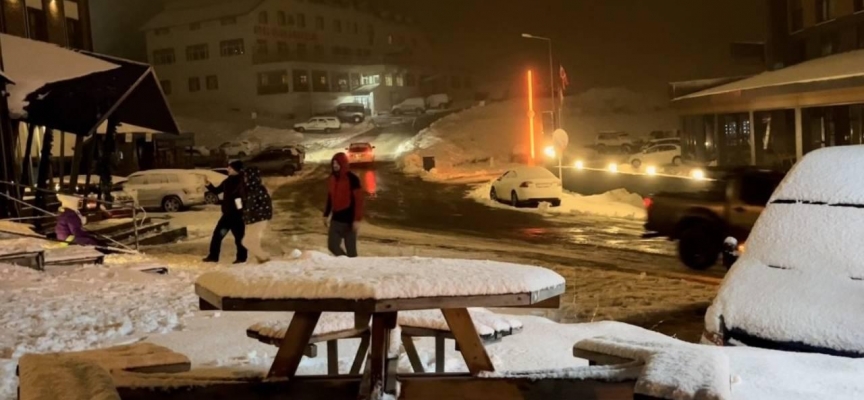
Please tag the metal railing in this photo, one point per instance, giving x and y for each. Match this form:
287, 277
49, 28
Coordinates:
132, 207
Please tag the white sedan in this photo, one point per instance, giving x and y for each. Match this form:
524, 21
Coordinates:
361, 153
527, 185
663, 154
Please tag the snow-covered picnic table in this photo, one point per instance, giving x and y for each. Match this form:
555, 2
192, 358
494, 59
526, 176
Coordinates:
378, 289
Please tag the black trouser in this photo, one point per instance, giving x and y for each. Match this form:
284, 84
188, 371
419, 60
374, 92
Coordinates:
228, 223
340, 231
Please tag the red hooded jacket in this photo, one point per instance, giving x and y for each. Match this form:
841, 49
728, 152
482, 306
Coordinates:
345, 193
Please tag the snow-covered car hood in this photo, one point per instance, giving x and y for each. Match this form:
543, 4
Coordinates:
801, 280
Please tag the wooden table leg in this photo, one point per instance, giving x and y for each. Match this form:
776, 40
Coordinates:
413, 356
382, 324
296, 339
463, 330
362, 351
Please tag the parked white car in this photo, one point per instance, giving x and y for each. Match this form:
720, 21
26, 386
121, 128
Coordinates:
319, 124
439, 101
527, 185
798, 284
361, 153
658, 142
614, 139
241, 148
663, 154
416, 105
170, 190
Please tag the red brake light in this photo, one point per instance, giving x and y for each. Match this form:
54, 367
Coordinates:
648, 202
526, 184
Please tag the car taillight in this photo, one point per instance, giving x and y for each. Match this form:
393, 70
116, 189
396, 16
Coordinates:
648, 202
526, 185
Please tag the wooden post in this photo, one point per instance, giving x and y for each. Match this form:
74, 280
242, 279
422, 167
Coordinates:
44, 169
468, 340
62, 160
361, 354
77, 154
382, 324
440, 355
27, 170
752, 139
799, 134
106, 163
333, 357
296, 339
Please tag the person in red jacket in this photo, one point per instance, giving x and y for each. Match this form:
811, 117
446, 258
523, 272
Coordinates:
344, 211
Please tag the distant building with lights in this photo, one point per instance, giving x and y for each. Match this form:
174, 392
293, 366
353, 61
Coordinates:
288, 59
811, 97
63, 22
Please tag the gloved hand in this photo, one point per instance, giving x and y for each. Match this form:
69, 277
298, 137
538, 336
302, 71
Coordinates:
326, 221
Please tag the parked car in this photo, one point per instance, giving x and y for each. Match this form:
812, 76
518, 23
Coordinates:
527, 185
319, 124
170, 190
241, 148
658, 142
284, 161
361, 153
351, 112
798, 285
216, 178
663, 154
701, 221
615, 140
439, 101
416, 105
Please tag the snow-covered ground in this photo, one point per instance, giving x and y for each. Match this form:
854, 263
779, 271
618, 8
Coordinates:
484, 140
617, 204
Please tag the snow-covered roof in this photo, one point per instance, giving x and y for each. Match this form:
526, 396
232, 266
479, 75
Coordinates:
324, 277
191, 11
805, 248
839, 66
32, 64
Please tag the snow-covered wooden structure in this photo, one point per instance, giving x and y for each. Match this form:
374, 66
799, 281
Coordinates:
90, 96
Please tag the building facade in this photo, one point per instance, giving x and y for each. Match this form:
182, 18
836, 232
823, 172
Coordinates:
288, 59
63, 22
811, 97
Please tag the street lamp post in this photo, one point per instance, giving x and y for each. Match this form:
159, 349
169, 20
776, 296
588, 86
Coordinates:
551, 70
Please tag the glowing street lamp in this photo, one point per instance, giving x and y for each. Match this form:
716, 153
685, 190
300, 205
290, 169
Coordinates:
613, 168
579, 165
697, 174
651, 170
549, 151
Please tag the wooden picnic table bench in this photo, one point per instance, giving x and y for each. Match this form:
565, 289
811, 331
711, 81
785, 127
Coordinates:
377, 290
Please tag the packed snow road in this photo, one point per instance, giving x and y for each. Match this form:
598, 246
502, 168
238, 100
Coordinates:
397, 201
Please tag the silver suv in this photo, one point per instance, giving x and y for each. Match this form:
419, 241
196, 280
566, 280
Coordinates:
351, 112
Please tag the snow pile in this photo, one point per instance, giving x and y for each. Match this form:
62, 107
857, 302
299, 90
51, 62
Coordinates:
486, 137
54, 64
618, 203
83, 309
378, 278
22, 245
809, 254
267, 136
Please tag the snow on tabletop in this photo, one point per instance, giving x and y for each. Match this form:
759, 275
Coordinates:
324, 277
809, 256
55, 64
328, 323
831, 175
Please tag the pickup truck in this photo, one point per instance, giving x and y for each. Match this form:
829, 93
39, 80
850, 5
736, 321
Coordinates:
702, 221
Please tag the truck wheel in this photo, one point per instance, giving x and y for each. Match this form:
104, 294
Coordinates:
289, 171
358, 119
172, 204
677, 161
698, 248
300, 129
626, 149
636, 164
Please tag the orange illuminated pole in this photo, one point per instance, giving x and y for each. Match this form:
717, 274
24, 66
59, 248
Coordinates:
531, 113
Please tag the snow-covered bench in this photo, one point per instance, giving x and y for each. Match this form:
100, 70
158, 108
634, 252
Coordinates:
89, 372
25, 252
413, 324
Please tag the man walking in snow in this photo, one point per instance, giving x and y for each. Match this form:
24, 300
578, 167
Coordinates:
232, 191
344, 211
257, 212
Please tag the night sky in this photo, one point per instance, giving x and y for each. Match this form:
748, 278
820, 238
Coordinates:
635, 43
602, 43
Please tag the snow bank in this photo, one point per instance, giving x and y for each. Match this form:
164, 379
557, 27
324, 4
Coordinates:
496, 134
324, 277
32, 64
618, 203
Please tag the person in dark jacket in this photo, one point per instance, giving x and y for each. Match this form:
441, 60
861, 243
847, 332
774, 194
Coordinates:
70, 223
257, 211
232, 191
344, 211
